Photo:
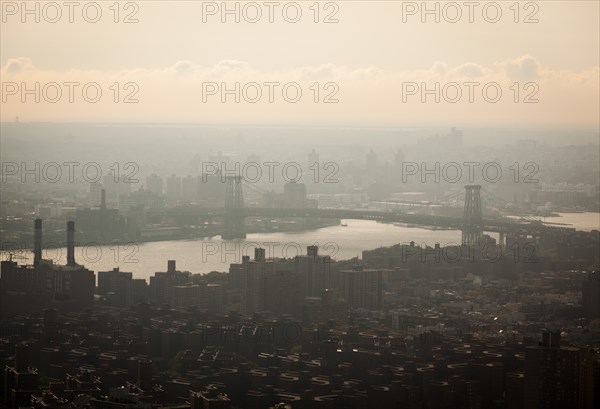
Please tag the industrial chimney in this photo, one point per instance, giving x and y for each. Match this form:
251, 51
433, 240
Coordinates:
37, 245
71, 243
103, 199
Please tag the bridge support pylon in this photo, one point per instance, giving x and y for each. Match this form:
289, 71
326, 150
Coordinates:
472, 229
233, 220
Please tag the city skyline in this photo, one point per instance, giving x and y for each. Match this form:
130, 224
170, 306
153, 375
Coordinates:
299, 204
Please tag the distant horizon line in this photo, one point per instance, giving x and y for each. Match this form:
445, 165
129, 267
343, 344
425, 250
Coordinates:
316, 126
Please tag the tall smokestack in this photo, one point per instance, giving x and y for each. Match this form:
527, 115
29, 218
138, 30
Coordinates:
103, 199
37, 245
70, 243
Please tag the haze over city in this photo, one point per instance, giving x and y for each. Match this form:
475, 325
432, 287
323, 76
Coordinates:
327, 204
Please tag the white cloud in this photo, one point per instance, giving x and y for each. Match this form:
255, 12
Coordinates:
523, 69
15, 65
366, 94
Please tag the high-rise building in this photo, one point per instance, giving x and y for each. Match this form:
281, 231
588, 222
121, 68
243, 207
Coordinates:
455, 137
294, 195
314, 271
212, 188
552, 374
120, 288
111, 281
591, 295
189, 295
189, 188
174, 188
236, 272
109, 182
590, 379
95, 194
101, 223
313, 157
371, 162
162, 283
214, 299
253, 158
116, 185
20, 380
398, 160
361, 288
254, 274
324, 308
154, 183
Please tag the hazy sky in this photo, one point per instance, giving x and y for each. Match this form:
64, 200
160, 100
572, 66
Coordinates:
369, 62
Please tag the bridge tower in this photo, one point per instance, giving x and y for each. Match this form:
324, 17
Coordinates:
472, 219
233, 221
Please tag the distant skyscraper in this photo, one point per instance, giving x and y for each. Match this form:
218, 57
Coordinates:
253, 158
154, 183
109, 182
371, 162
212, 187
313, 157
218, 158
294, 195
95, 194
124, 186
455, 137
174, 188
116, 185
189, 188
399, 159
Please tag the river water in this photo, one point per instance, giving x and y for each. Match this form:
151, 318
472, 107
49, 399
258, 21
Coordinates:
213, 254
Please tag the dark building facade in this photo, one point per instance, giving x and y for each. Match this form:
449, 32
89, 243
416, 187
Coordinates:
552, 374
33, 288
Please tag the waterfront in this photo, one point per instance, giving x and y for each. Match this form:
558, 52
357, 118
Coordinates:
586, 221
213, 254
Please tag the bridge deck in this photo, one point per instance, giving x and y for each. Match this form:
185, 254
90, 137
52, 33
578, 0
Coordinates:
504, 225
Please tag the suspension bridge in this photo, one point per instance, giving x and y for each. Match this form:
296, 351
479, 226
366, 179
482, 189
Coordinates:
472, 224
